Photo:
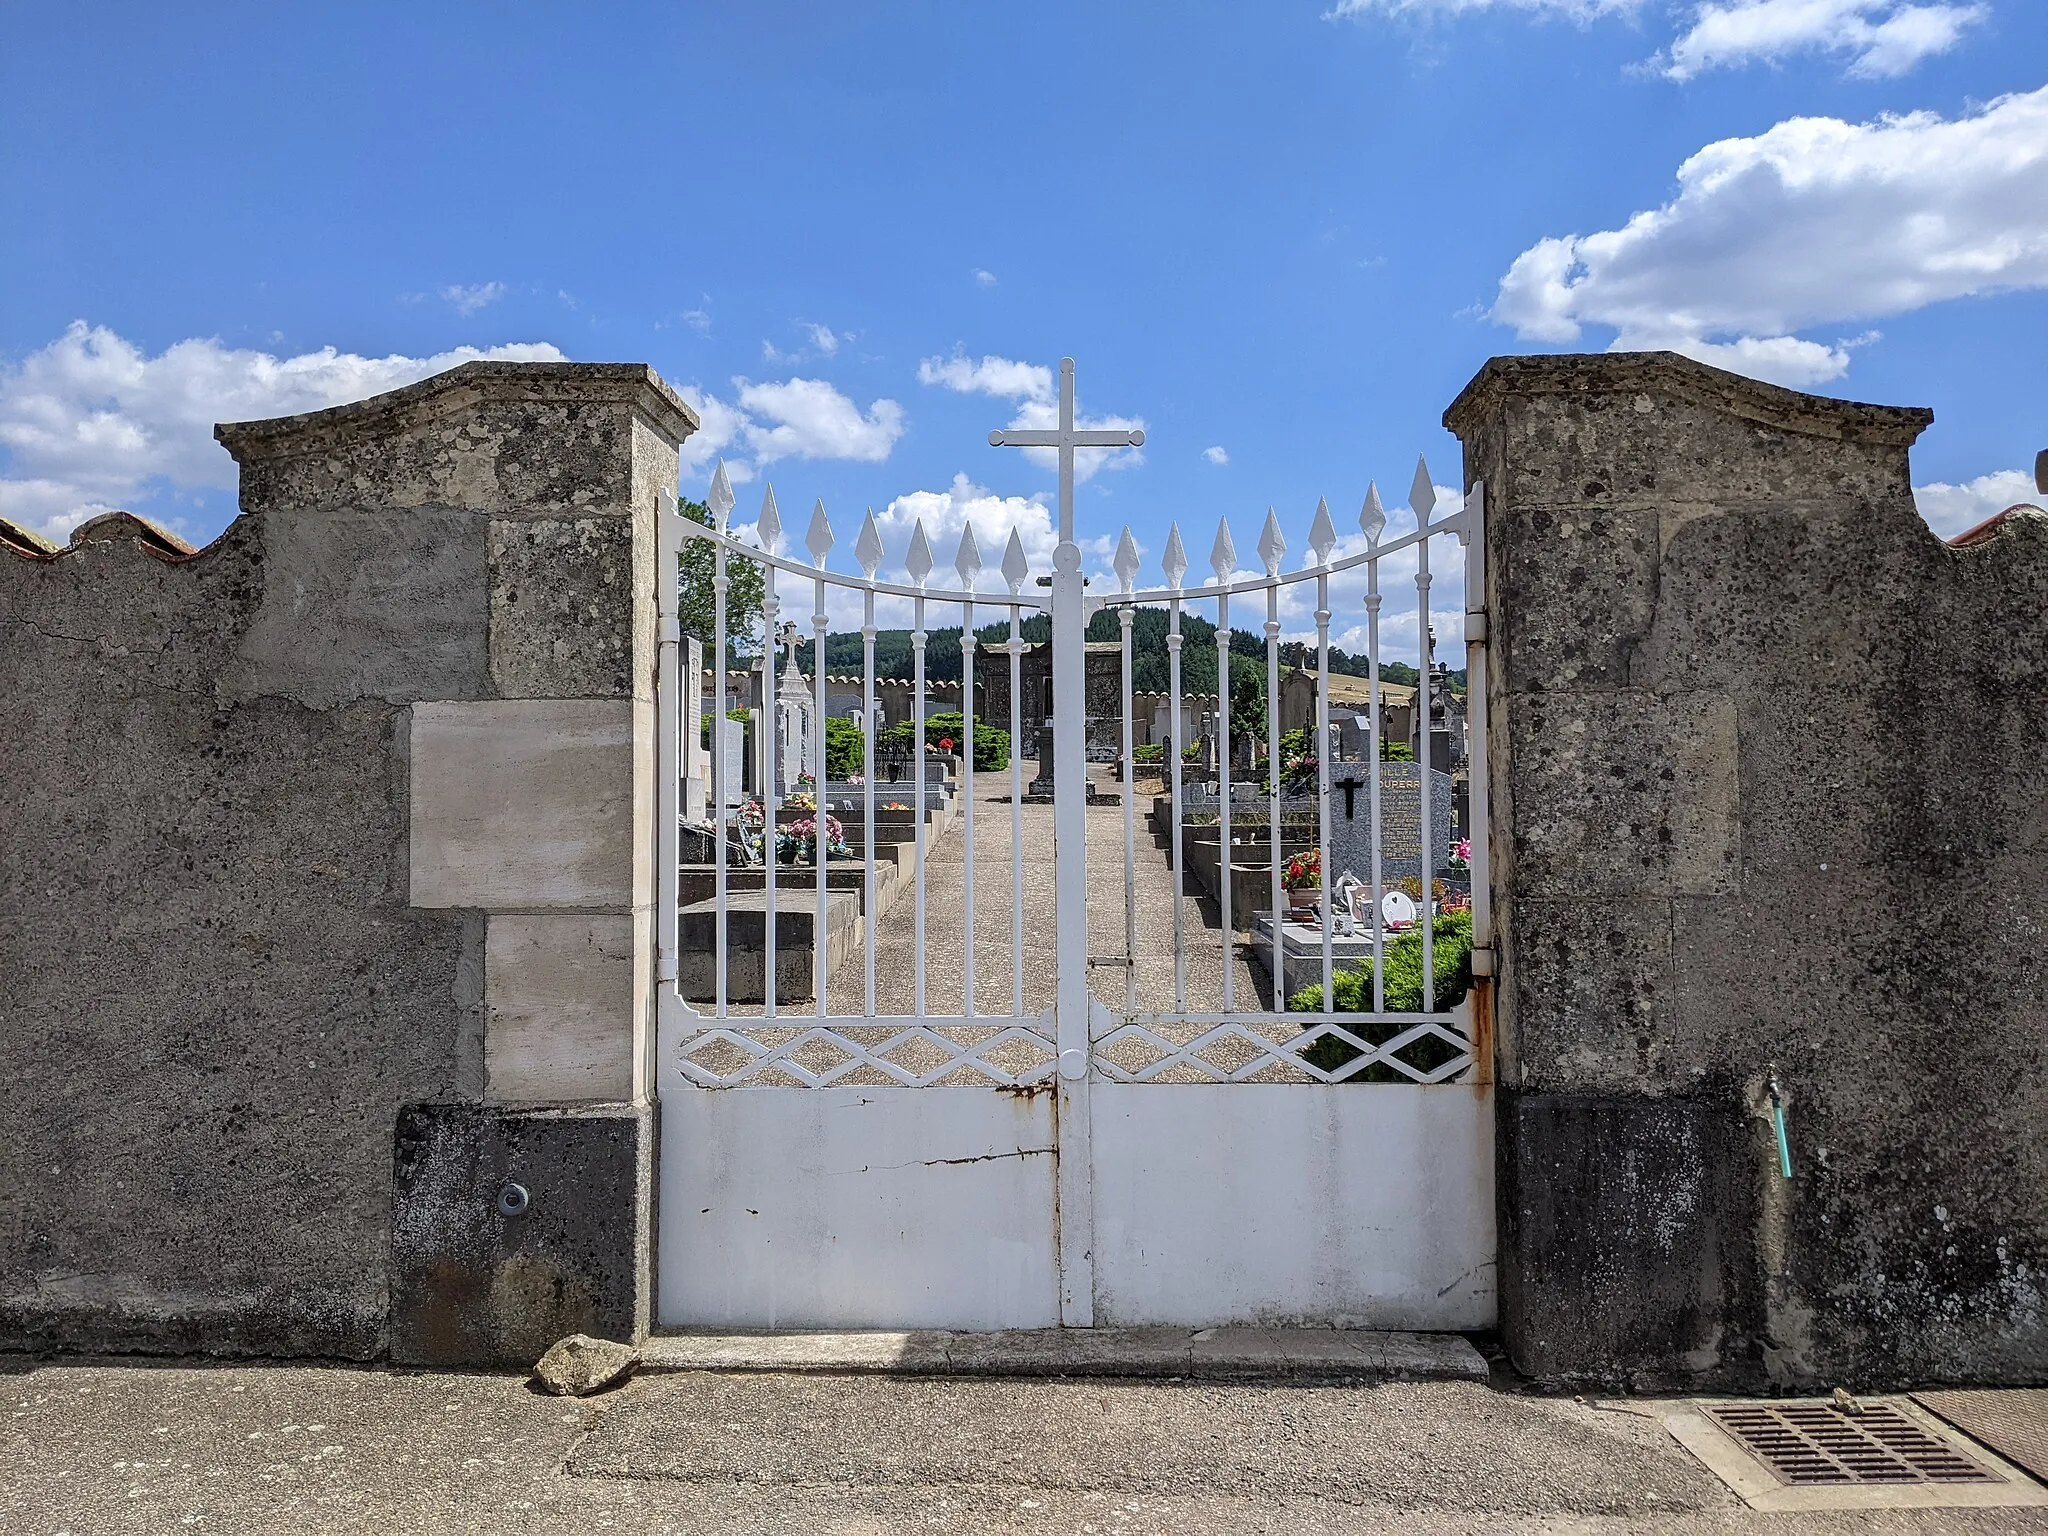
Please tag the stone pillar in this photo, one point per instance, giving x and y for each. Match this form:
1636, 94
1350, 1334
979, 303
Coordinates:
516, 502
1765, 767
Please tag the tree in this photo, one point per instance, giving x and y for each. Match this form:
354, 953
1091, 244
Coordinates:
743, 592
1247, 697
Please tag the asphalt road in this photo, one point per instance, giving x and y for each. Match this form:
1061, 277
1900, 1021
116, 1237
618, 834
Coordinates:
92, 1449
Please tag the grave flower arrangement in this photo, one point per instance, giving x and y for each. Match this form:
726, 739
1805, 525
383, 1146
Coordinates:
748, 825
1461, 854
797, 843
1304, 871
1298, 774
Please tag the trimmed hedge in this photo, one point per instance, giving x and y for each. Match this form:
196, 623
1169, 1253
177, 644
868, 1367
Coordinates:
1452, 953
991, 746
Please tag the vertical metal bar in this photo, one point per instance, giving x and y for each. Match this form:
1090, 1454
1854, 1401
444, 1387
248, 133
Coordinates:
967, 798
1127, 616
670, 713
1374, 747
1174, 744
820, 957
1223, 796
867, 773
1273, 813
917, 640
1323, 782
1478, 822
771, 788
1423, 765
1074, 1022
719, 583
1016, 811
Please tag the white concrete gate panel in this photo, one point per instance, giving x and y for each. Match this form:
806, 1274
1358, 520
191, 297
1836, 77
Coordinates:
1180, 1155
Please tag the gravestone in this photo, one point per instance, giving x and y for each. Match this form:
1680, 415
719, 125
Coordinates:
1400, 822
696, 759
1354, 737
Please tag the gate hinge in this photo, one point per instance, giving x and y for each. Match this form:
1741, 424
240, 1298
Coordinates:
1475, 626
1482, 962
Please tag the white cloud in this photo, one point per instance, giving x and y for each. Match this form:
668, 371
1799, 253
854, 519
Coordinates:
997, 376
698, 320
468, 298
1813, 222
719, 428
983, 276
809, 419
1030, 385
824, 342
797, 418
1881, 37
1216, 455
91, 421
1574, 10
1953, 509
961, 505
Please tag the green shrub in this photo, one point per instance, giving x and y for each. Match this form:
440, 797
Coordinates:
991, 746
1452, 953
845, 748
1155, 753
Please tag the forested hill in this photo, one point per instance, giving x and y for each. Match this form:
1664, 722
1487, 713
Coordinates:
1148, 651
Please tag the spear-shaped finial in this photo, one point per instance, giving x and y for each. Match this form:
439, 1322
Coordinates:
719, 498
1372, 517
968, 561
1223, 553
1322, 533
867, 549
918, 562
1126, 563
818, 540
1272, 543
1015, 566
1175, 561
1422, 494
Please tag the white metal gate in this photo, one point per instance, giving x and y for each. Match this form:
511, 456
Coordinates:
917, 1144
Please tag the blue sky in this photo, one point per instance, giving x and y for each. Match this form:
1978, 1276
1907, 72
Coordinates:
1282, 234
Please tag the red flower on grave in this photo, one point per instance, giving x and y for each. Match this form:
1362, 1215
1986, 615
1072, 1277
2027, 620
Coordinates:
945, 743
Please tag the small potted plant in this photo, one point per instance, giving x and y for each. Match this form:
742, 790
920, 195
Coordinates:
1303, 881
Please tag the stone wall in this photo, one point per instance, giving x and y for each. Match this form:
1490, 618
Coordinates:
348, 812
1770, 800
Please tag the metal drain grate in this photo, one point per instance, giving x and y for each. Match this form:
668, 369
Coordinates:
1817, 1445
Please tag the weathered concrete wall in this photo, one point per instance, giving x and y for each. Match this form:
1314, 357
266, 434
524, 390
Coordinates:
1770, 793
349, 811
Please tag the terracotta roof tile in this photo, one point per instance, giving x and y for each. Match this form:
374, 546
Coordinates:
107, 528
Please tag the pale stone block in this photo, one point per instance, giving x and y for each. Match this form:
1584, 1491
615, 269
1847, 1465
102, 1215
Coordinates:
560, 997
524, 803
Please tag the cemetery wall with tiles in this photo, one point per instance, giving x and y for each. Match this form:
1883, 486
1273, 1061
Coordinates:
1770, 805
328, 903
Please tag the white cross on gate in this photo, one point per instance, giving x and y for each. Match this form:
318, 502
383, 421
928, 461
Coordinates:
1066, 439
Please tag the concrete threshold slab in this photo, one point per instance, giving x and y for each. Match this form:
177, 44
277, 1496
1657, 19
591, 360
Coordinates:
1201, 1354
